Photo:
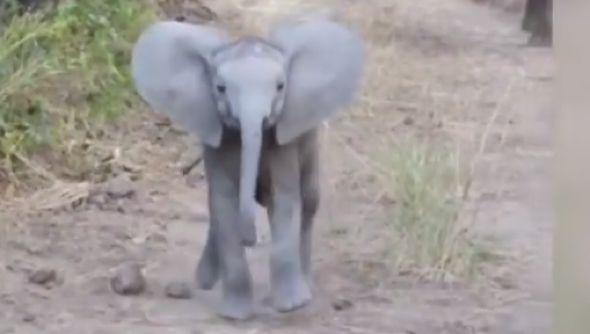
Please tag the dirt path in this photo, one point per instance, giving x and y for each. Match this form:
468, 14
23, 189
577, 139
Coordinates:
163, 226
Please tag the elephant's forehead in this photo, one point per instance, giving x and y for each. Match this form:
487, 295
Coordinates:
251, 70
247, 47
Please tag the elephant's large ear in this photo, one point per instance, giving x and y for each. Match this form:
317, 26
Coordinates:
326, 65
169, 70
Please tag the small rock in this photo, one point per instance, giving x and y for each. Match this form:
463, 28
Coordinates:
158, 238
505, 282
341, 304
120, 187
28, 317
99, 200
409, 121
42, 276
178, 290
128, 280
120, 207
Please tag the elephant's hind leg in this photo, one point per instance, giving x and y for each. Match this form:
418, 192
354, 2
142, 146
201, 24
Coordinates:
530, 16
310, 197
538, 20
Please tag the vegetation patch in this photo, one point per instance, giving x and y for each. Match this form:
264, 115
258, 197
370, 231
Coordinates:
432, 235
64, 75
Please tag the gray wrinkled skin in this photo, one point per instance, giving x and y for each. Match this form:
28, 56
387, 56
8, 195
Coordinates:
255, 104
288, 180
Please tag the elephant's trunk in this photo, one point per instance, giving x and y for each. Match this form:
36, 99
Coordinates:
251, 135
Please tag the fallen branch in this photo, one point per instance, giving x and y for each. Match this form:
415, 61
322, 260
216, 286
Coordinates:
186, 169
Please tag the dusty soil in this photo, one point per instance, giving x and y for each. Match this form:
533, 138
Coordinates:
473, 68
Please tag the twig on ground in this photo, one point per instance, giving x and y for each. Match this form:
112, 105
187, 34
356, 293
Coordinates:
186, 169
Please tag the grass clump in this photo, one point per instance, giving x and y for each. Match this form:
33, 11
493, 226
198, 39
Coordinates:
431, 237
64, 71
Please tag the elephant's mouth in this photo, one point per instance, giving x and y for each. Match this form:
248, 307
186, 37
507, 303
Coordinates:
266, 124
231, 122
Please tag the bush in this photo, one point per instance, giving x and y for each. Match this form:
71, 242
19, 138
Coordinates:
64, 70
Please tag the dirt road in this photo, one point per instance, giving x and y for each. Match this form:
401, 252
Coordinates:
472, 53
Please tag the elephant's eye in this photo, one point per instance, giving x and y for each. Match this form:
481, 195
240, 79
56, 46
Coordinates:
280, 86
221, 89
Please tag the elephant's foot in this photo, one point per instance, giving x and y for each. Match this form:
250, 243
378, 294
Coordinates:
310, 282
236, 307
527, 24
291, 293
540, 40
207, 273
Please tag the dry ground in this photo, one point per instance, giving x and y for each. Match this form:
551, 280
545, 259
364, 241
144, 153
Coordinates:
441, 71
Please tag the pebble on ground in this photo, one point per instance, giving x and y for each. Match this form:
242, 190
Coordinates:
42, 276
128, 280
178, 290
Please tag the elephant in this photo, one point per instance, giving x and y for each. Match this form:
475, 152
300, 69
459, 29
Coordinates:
538, 21
256, 104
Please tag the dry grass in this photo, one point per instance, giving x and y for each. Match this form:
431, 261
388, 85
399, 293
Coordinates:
418, 163
428, 235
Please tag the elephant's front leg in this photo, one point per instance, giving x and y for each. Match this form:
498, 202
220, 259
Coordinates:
209, 265
289, 287
237, 295
310, 196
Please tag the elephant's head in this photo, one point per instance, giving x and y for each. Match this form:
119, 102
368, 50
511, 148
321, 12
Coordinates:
304, 73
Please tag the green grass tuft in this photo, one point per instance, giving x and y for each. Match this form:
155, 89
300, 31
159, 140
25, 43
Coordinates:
431, 235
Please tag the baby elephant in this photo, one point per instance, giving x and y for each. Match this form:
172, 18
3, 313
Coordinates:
256, 104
